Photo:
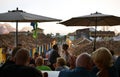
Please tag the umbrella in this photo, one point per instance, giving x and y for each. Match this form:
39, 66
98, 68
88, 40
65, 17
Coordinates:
94, 19
21, 16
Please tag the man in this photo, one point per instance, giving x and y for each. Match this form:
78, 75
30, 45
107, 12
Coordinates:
53, 56
83, 67
12, 59
21, 68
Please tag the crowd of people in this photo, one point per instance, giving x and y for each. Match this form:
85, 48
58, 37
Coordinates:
100, 63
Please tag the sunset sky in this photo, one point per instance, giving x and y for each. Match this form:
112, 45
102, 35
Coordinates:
61, 9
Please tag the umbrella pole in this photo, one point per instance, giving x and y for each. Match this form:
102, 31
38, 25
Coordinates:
16, 42
95, 35
95, 39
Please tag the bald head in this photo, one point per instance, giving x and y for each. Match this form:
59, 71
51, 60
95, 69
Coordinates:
22, 56
83, 60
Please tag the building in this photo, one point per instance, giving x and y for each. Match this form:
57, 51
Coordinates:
72, 36
90, 32
83, 33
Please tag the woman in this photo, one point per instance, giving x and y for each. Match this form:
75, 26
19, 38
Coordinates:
40, 64
65, 54
104, 62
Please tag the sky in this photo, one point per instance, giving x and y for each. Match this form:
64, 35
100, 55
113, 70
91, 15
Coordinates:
61, 9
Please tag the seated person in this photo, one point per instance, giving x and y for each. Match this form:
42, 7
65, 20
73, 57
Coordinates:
82, 69
32, 60
11, 60
60, 64
103, 60
40, 64
21, 68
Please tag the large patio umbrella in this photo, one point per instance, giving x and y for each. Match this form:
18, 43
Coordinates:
21, 16
94, 19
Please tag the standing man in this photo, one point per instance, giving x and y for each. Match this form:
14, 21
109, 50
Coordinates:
53, 56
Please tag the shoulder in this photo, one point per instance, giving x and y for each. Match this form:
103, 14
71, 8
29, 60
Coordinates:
31, 70
113, 71
43, 67
76, 72
10, 67
65, 73
23, 71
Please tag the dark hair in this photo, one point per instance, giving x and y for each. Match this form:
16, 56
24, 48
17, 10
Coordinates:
19, 45
55, 47
36, 53
65, 46
15, 50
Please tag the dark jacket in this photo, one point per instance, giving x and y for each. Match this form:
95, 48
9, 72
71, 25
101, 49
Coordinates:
53, 56
20, 71
77, 72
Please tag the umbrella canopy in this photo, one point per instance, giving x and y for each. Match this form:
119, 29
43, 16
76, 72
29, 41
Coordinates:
21, 16
94, 19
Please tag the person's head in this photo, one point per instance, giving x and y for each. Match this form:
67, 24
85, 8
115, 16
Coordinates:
36, 54
39, 61
45, 74
14, 52
61, 61
19, 45
55, 47
22, 57
65, 46
102, 58
84, 60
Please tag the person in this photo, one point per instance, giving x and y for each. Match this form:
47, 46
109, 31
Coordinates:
53, 56
45, 74
82, 69
117, 63
11, 60
61, 64
19, 45
48, 53
4, 53
21, 68
103, 60
8, 53
40, 64
32, 60
65, 53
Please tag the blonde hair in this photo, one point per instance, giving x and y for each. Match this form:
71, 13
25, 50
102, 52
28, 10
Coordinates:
103, 56
61, 61
39, 61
